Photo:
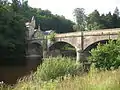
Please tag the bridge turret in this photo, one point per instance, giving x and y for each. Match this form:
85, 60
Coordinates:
31, 28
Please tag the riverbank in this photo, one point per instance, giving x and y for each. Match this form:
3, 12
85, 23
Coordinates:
94, 80
109, 80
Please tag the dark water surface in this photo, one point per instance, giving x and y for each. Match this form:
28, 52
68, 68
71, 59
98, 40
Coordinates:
10, 74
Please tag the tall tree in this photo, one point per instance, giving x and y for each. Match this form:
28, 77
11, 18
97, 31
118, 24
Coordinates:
16, 4
116, 12
108, 23
12, 34
93, 21
116, 18
80, 17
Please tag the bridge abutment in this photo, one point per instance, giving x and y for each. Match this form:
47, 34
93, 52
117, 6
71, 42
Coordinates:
81, 58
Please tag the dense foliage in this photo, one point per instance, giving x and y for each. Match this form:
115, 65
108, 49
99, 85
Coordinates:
80, 19
106, 56
12, 32
52, 68
13, 17
46, 19
95, 20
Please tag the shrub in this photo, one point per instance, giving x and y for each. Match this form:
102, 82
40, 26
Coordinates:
52, 68
52, 36
106, 56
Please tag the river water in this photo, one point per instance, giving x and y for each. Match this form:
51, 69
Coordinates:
10, 74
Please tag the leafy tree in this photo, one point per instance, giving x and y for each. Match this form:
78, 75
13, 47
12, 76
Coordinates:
96, 21
93, 21
12, 27
16, 4
116, 18
116, 12
46, 19
80, 17
12, 34
106, 56
107, 20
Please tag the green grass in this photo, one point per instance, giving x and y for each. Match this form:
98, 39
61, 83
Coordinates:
94, 80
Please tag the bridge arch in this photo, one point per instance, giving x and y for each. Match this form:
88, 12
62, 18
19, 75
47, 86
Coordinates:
94, 45
35, 49
94, 39
62, 48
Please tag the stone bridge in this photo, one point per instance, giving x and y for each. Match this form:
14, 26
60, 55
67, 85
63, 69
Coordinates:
85, 41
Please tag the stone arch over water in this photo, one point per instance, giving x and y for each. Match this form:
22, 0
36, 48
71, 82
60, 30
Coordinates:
63, 49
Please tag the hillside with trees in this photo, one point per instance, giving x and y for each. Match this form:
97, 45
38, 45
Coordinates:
95, 20
46, 19
14, 15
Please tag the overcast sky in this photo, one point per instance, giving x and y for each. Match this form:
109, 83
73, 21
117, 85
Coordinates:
66, 7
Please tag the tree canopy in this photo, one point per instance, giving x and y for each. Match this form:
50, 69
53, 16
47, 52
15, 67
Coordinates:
95, 20
13, 17
80, 17
12, 32
46, 19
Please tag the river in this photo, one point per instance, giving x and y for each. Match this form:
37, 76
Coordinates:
10, 74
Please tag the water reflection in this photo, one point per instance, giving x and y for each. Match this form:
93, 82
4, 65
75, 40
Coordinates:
10, 74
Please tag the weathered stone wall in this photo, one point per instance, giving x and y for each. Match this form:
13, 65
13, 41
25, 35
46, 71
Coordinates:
89, 37
81, 41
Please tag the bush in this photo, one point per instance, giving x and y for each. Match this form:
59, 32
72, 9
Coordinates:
106, 56
56, 67
52, 36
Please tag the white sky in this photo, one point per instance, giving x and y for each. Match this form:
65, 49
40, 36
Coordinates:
66, 7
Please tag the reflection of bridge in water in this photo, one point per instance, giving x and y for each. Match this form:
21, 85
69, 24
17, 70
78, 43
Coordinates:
33, 56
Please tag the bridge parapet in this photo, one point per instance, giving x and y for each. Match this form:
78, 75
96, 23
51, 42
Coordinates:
102, 32
90, 33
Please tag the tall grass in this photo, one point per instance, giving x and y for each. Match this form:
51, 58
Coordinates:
94, 80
